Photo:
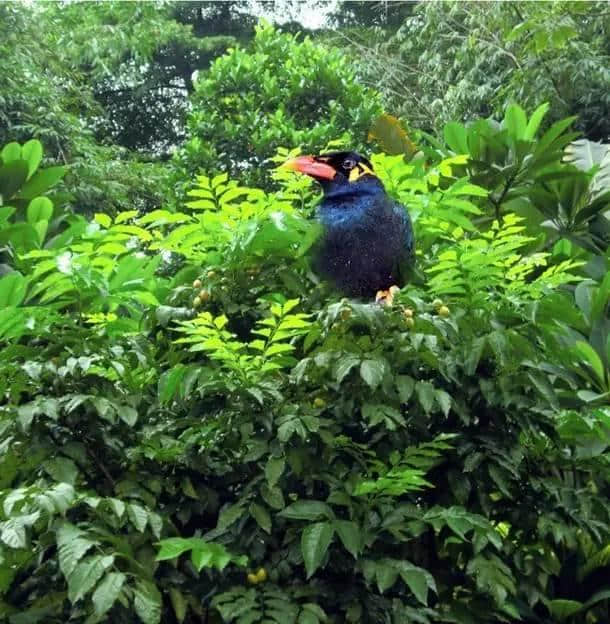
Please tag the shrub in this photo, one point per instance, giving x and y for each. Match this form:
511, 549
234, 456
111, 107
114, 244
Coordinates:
279, 91
229, 441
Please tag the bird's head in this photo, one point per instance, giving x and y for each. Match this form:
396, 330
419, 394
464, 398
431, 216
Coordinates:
336, 171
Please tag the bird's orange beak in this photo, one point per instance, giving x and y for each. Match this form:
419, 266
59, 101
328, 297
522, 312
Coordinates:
311, 167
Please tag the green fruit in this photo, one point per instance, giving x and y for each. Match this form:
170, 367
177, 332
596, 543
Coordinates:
437, 303
204, 295
410, 322
196, 302
252, 579
319, 402
444, 311
408, 313
197, 284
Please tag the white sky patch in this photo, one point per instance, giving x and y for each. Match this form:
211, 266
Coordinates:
312, 17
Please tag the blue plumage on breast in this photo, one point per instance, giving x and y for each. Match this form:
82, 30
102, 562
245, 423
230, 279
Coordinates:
367, 239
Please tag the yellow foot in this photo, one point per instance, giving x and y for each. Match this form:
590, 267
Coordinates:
386, 297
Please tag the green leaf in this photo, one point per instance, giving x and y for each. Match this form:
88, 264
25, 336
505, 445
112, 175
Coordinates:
349, 534
515, 121
425, 393
372, 372
274, 469
137, 516
12, 177
39, 209
173, 547
405, 386
534, 123
12, 533
41, 181
262, 517
179, 604
588, 353
127, 414
563, 609
315, 540
72, 544
62, 469
229, 515
456, 137
107, 592
147, 602
344, 366
11, 152
13, 287
306, 510
32, 153
416, 580
385, 575
86, 574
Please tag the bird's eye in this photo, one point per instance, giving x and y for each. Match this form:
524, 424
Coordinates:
349, 163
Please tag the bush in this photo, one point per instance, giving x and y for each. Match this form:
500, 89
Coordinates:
230, 442
280, 91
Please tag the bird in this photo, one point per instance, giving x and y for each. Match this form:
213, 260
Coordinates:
367, 243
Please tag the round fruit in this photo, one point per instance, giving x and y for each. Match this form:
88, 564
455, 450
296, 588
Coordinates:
437, 303
211, 274
410, 322
196, 302
319, 402
197, 284
443, 311
345, 313
204, 295
252, 579
261, 575
408, 313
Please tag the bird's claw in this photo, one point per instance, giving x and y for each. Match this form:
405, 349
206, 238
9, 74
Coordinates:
386, 297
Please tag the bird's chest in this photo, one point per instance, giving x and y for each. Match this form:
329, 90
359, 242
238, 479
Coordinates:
360, 254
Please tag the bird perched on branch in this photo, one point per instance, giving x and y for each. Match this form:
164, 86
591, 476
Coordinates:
367, 246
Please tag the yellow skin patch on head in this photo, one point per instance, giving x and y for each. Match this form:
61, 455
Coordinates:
358, 171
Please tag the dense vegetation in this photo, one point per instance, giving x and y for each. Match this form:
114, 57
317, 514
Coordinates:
194, 428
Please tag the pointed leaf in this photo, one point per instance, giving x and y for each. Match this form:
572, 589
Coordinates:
315, 540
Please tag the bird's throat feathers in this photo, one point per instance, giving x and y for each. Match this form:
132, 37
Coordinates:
346, 202
366, 185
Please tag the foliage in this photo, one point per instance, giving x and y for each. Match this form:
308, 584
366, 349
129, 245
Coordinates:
303, 94
139, 59
55, 104
463, 60
195, 429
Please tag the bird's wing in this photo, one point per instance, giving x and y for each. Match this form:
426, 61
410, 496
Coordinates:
406, 259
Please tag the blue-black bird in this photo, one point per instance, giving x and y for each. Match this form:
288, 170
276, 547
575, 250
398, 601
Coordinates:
367, 245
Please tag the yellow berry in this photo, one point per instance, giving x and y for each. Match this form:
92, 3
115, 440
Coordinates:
410, 322
252, 579
197, 284
196, 302
319, 402
345, 313
211, 274
443, 311
437, 303
408, 313
261, 575
204, 295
